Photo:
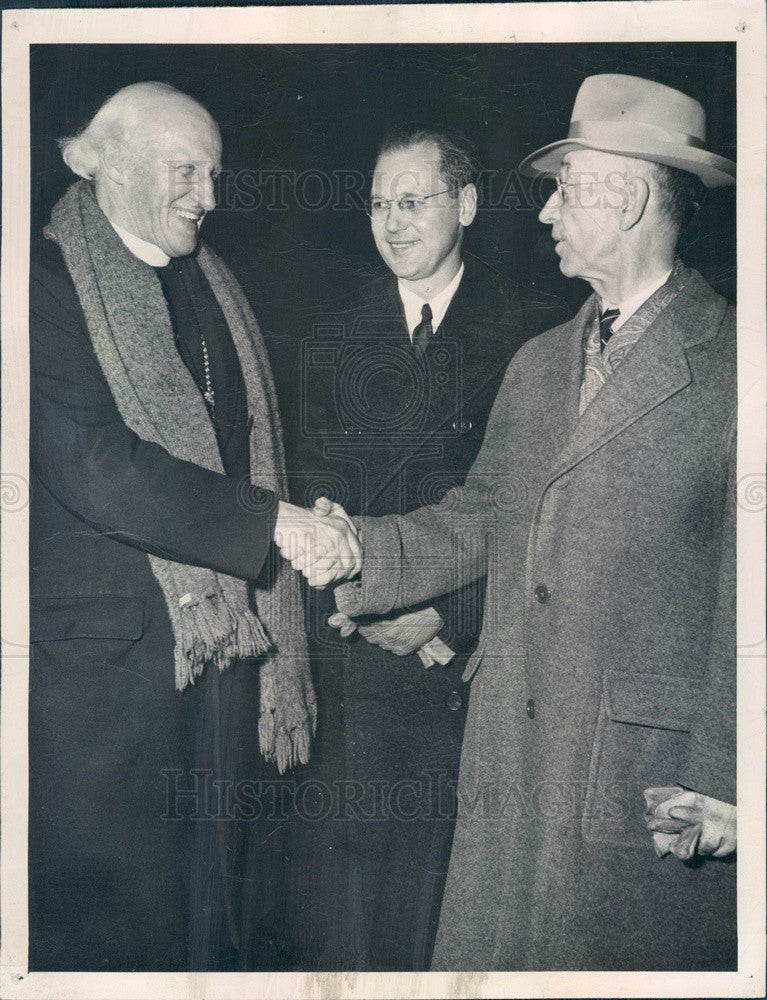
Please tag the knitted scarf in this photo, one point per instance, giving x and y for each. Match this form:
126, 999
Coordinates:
130, 329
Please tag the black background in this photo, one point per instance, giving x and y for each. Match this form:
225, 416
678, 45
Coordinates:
323, 108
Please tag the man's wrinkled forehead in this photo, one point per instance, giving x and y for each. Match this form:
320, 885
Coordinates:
185, 132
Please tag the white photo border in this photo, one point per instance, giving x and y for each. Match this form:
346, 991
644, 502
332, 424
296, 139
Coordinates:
738, 21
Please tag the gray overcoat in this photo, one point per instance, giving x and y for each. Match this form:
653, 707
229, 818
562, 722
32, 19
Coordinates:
607, 658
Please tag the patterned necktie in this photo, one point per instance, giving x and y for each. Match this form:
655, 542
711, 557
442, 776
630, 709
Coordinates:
606, 320
423, 331
599, 364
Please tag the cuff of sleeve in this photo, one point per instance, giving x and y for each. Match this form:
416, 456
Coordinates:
258, 500
377, 589
438, 650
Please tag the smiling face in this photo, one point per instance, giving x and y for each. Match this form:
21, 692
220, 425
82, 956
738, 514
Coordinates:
422, 248
585, 218
166, 183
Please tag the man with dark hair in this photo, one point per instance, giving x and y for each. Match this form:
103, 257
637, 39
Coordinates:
398, 388
457, 156
680, 193
602, 718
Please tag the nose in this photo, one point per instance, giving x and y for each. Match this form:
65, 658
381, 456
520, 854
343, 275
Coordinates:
394, 221
550, 211
206, 193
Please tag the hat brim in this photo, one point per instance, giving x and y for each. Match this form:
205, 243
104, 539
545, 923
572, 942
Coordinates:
713, 170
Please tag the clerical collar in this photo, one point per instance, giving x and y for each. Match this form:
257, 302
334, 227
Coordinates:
145, 251
630, 305
414, 303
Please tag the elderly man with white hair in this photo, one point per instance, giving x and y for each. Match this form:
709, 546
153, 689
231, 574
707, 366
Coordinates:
596, 818
163, 637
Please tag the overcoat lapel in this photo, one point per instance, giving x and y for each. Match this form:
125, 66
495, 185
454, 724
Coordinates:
466, 321
476, 371
655, 369
560, 386
384, 317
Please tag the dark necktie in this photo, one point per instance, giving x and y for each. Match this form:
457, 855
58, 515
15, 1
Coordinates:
606, 320
423, 331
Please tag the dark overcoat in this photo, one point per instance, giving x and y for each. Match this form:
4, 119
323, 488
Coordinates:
386, 431
607, 658
111, 740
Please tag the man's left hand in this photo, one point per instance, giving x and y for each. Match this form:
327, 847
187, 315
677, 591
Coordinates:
402, 635
685, 823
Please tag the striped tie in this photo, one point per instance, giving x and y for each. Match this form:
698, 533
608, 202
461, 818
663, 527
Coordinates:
606, 320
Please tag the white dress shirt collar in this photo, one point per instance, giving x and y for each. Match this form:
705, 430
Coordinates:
147, 252
413, 303
630, 305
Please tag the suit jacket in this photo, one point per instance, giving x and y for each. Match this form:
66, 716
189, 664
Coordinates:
110, 737
385, 432
606, 663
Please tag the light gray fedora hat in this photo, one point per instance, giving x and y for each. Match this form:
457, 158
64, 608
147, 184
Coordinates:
631, 116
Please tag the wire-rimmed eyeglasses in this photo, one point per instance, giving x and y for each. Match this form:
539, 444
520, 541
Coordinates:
410, 205
566, 189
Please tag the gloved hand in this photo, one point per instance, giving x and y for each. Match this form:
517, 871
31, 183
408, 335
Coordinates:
686, 823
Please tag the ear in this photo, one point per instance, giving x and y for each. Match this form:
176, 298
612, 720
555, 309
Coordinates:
636, 194
112, 157
467, 205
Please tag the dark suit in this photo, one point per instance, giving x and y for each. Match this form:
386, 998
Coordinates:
385, 431
110, 861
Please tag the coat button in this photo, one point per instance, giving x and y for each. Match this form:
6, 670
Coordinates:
454, 701
542, 593
530, 708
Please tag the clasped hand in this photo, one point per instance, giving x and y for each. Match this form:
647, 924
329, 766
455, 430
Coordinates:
322, 543
686, 823
402, 635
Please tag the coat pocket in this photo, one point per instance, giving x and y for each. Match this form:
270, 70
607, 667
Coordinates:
52, 619
642, 739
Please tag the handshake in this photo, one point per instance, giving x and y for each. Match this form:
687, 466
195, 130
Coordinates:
322, 543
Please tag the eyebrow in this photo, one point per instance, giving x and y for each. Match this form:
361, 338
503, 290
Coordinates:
399, 197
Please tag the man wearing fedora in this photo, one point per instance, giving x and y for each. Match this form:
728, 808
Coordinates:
596, 823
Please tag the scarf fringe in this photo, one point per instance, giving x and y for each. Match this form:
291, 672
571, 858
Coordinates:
282, 742
207, 631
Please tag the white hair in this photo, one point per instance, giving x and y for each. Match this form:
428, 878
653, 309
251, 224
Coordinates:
121, 119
